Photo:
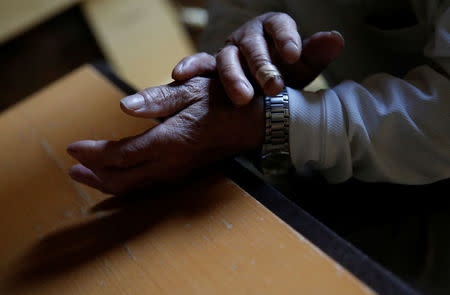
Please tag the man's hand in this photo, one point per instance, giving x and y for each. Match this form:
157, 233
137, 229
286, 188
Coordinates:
202, 126
267, 49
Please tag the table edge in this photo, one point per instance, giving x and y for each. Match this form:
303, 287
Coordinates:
360, 265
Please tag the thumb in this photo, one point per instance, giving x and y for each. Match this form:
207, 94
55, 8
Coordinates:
165, 100
318, 52
195, 65
321, 49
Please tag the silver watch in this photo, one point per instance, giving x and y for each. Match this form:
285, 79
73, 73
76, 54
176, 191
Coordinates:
275, 158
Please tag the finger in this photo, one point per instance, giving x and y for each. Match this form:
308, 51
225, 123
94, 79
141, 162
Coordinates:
283, 30
111, 181
125, 153
194, 65
120, 181
232, 76
166, 100
87, 152
117, 181
255, 50
317, 53
321, 49
84, 175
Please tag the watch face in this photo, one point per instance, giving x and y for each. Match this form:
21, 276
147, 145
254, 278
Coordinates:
276, 163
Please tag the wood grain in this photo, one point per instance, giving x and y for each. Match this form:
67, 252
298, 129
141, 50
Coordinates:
205, 237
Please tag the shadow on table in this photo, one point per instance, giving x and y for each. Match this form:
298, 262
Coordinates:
119, 219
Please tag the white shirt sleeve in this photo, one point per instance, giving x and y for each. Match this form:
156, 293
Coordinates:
384, 129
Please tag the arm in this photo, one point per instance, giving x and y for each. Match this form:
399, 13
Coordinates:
384, 129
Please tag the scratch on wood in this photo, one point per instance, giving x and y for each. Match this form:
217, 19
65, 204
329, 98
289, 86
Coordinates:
339, 270
49, 151
129, 252
81, 193
229, 226
105, 261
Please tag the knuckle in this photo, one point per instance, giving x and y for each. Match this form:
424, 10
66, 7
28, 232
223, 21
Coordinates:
225, 51
225, 64
194, 89
258, 59
280, 17
254, 53
280, 23
227, 69
155, 95
203, 55
249, 40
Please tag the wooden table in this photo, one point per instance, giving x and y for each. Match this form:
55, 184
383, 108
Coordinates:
214, 236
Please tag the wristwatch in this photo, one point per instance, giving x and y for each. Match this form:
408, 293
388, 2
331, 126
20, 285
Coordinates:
275, 155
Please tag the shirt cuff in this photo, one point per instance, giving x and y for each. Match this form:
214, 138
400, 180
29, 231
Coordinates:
317, 134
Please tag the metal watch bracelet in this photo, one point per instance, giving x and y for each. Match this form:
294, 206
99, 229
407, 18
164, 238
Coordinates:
276, 141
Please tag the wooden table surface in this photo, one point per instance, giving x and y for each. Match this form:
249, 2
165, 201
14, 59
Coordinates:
208, 237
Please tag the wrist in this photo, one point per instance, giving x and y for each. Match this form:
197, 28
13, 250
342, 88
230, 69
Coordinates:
255, 121
245, 128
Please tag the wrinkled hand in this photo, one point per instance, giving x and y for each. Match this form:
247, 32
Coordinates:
267, 49
202, 127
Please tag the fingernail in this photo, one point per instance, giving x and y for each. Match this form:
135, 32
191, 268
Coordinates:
133, 102
290, 46
265, 73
